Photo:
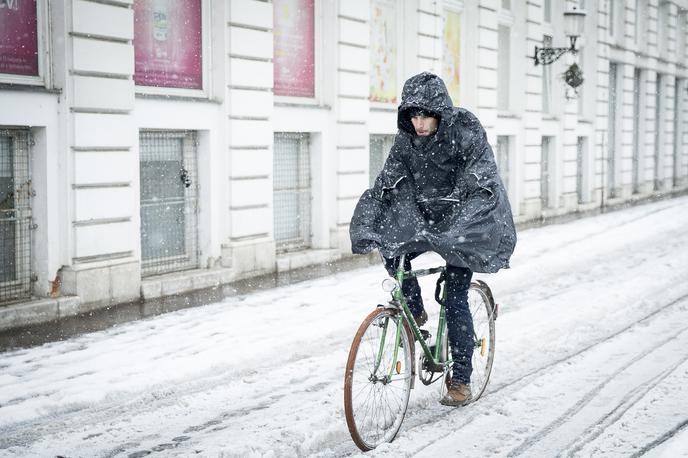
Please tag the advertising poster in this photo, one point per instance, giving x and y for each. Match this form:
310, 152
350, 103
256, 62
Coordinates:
294, 52
383, 57
451, 53
168, 44
18, 37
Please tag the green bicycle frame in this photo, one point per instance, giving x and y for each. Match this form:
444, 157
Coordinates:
398, 297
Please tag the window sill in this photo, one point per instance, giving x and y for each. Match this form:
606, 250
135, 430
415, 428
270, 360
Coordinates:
308, 257
313, 106
28, 87
508, 115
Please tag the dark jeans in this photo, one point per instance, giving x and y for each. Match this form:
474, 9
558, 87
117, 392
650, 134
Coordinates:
459, 319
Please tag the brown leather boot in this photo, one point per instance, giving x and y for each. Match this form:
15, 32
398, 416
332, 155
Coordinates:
458, 394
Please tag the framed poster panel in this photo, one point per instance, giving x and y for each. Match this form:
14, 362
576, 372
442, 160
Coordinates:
168, 44
20, 44
294, 48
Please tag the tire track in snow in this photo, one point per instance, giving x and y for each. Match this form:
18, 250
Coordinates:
590, 395
612, 417
660, 440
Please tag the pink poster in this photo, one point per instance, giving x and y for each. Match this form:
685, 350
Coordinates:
294, 59
18, 37
167, 43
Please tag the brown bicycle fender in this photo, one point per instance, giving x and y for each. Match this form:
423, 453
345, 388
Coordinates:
488, 292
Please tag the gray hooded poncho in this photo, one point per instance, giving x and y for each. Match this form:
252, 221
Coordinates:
440, 193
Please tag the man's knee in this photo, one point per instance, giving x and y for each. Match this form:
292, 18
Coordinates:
458, 278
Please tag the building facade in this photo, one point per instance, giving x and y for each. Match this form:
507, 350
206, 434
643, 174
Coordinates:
152, 147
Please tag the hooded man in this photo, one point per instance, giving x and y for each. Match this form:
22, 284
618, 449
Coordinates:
439, 191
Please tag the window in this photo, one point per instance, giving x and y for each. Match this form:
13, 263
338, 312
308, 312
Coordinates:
659, 129
546, 172
641, 13
503, 160
678, 134
612, 128
581, 168
547, 79
451, 53
383, 52
292, 191
168, 44
506, 4
663, 29
681, 31
547, 11
637, 137
503, 66
169, 202
580, 90
15, 215
611, 16
294, 36
380, 145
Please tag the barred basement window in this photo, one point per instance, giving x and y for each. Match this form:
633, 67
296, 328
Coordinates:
15, 215
546, 173
292, 192
503, 160
379, 149
169, 201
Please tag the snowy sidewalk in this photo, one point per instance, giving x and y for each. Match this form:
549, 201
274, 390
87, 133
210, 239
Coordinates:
591, 361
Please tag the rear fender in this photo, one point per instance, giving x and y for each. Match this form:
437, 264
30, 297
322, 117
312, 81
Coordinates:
488, 292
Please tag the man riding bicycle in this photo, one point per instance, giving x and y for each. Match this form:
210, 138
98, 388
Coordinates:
439, 190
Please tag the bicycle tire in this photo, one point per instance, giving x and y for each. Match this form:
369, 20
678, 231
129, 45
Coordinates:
375, 409
482, 311
481, 305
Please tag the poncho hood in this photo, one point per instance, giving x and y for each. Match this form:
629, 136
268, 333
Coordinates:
440, 193
428, 92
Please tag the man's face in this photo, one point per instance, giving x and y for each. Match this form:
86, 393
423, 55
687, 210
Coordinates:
424, 124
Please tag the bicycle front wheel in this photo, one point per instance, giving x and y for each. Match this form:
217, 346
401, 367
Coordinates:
377, 382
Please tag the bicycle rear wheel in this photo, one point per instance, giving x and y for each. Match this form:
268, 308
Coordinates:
482, 311
376, 384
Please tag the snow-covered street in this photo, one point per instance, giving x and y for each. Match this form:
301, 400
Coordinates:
591, 360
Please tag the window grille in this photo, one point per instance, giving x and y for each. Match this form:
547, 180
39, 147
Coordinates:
379, 149
612, 120
581, 167
659, 128
678, 134
169, 201
291, 192
503, 159
637, 138
546, 172
15, 216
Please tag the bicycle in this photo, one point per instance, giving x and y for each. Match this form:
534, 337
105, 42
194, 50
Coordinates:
381, 367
